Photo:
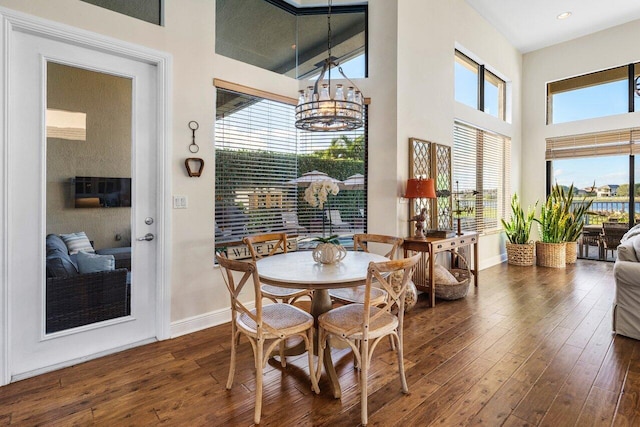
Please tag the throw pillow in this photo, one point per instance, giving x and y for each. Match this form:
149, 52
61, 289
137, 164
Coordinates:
59, 264
443, 276
91, 263
77, 242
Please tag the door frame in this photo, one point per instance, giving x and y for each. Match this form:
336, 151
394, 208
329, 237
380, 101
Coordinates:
11, 22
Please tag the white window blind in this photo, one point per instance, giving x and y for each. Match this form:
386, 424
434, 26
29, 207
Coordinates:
609, 143
259, 153
256, 155
481, 169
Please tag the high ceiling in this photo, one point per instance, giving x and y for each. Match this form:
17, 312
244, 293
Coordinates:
531, 25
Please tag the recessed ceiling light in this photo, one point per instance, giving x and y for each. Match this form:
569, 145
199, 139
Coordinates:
564, 15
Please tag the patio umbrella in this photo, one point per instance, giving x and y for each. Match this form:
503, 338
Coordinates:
354, 182
307, 178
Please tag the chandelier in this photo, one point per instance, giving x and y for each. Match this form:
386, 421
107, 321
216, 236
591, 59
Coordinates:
317, 111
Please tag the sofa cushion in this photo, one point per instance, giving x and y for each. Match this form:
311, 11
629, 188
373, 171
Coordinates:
59, 264
54, 242
77, 242
92, 263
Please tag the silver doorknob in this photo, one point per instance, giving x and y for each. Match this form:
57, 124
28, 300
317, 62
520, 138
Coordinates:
148, 237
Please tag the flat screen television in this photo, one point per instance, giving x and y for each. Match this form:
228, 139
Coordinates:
102, 192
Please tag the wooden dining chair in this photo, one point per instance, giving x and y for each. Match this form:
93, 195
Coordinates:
272, 323
362, 326
356, 295
276, 294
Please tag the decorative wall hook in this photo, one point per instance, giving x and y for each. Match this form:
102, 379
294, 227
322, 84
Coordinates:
193, 125
196, 163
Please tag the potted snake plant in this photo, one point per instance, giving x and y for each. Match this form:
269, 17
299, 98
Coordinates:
551, 250
576, 214
518, 230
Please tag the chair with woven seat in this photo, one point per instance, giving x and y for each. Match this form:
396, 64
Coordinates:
274, 293
274, 323
362, 326
356, 295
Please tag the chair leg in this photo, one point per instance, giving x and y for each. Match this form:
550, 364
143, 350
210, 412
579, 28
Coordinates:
400, 352
321, 345
259, 372
364, 370
283, 360
235, 337
312, 373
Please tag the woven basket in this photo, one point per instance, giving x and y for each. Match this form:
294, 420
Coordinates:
551, 254
456, 290
571, 252
520, 254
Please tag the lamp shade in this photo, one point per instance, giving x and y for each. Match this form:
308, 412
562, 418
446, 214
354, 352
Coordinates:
420, 189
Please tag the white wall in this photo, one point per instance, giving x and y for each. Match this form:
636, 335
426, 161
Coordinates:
411, 46
428, 34
605, 49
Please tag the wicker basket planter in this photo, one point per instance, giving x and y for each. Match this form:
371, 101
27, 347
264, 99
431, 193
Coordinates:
520, 253
571, 252
551, 254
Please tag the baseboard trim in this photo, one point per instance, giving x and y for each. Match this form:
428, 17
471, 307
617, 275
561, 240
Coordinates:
204, 321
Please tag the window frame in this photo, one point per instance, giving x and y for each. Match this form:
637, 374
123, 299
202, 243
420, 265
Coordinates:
321, 10
631, 72
482, 73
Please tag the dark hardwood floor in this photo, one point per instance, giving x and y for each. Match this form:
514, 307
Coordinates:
530, 346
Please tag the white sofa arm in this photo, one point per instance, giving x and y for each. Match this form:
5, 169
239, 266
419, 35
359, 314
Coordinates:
627, 273
626, 306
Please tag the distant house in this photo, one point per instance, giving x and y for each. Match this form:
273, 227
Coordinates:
607, 190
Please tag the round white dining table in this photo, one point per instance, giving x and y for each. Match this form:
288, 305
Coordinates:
299, 270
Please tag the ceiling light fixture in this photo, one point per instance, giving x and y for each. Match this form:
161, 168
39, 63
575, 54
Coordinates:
563, 15
317, 111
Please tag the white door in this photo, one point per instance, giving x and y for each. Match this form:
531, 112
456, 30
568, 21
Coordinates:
52, 180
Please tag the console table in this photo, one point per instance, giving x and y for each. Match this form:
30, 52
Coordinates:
431, 247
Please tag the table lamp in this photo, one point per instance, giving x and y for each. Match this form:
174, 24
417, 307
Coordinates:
418, 188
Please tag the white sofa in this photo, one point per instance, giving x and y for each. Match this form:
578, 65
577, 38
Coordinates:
626, 271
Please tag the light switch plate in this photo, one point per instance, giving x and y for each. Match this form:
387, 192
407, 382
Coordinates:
179, 202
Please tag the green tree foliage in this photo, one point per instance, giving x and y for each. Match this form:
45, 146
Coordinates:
343, 147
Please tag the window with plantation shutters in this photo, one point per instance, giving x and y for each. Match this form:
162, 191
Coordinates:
481, 175
259, 156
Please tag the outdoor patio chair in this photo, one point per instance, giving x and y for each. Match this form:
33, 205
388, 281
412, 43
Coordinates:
612, 232
362, 326
335, 220
291, 224
274, 323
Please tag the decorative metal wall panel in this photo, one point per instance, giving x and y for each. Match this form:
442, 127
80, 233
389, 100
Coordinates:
430, 160
444, 220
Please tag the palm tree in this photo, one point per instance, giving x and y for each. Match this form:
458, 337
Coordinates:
344, 147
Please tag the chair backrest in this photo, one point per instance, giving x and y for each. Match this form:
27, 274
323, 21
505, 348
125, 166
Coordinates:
360, 243
612, 233
249, 271
290, 219
280, 244
381, 274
